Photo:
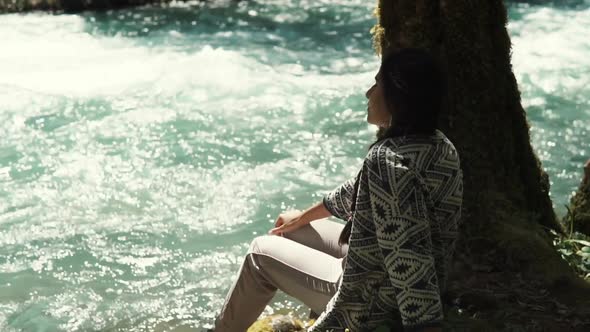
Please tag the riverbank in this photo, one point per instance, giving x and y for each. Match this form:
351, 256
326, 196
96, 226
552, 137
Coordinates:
69, 6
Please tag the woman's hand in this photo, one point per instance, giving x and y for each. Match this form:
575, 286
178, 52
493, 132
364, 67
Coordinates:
286, 222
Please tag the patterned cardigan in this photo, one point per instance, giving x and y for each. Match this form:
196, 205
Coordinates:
403, 235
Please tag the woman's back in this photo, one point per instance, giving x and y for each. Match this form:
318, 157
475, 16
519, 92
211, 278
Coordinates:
404, 228
437, 167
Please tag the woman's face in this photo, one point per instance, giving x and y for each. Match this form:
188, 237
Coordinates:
377, 112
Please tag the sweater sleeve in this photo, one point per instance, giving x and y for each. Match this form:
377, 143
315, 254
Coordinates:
403, 233
339, 200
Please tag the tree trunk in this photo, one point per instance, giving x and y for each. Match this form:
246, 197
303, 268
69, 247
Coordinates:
505, 258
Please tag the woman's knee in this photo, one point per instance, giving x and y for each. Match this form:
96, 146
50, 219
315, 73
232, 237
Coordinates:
264, 253
262, 244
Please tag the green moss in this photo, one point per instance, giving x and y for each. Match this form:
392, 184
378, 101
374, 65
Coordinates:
578, 216
282, 323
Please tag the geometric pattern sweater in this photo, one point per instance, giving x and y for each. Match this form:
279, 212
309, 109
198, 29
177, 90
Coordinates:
404, 229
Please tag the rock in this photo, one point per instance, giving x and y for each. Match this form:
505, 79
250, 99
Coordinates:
279, 323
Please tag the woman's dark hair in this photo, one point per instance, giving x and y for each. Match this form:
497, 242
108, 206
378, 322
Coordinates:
413, 88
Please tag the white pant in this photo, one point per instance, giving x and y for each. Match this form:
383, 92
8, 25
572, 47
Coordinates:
306, 264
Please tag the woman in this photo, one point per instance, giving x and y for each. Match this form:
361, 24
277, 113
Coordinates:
388, 264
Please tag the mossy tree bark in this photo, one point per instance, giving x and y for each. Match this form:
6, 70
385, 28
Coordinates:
507, 211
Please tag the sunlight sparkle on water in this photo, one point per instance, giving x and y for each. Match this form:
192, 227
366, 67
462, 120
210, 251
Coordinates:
144, 148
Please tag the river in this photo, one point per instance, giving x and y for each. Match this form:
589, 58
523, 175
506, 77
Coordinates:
142, 149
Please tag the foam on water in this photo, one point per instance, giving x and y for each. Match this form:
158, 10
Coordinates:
144, 148
552, 67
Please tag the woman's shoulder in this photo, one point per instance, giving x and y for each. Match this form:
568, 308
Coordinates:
404, 151
384, 154
444, 139
448, 151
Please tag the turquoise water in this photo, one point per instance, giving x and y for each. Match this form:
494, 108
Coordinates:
143, 149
